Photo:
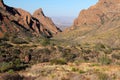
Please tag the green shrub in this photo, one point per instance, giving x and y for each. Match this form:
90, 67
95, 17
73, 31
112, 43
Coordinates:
19, 41
75, 69
99, 47
81, 71
5, 37
87, 51
116, 56
45, 41
103, 76
68, 55
5, 66
58, 61
105, 60
16, 51
11, 71
6, 44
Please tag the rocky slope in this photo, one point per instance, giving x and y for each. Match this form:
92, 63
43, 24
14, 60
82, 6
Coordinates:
98, 14
99, 23
18, 20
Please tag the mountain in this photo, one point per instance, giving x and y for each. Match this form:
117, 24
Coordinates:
98, 24
98, 14
63, 21
15, 20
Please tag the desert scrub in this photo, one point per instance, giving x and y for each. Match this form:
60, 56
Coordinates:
5, 37
19, 41
75, 69
5, 44
68, 55
5, 66
116, 56
45, 41
58, 61
12, 65
99, 47
102, 47
81, 71
104, 60
102, 76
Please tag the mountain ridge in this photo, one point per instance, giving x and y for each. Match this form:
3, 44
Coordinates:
97, 24
27, 21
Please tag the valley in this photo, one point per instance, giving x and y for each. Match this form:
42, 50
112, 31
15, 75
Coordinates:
33, 47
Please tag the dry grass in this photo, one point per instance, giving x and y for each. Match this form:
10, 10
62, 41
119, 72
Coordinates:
72, 71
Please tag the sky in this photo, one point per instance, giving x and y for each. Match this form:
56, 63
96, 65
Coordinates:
69, 8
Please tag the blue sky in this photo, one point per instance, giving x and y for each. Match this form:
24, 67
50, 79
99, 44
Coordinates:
53, 7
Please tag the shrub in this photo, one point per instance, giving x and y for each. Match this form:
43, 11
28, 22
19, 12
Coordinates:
116, 56
18, 41
68, 55
5, 37
58, 61
81, 71
14, 76
75, 69
105, 60
103, 76
5, 66
99, 47
45, 41
87, 51
6, 44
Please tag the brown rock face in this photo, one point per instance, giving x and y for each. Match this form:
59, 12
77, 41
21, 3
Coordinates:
98, 14
46, 21
1, 3
10, 17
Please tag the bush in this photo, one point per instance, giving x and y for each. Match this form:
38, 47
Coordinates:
19, 41
116, 56
15, 65
45, 41
6, 44
103, 76
58, 61
68, 55
5, 66
105, 60
81, 71
75, 69
14, 76
5, 37
99, 47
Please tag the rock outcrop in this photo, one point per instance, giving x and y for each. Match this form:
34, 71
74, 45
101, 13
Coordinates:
98, 14
46, 21
39, 25
98, 24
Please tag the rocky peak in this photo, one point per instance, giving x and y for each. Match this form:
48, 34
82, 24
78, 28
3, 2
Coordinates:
106, 1
46, 21
39, 13
98, 14
1, 3
37, 24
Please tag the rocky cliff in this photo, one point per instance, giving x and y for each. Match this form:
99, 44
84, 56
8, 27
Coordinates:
98, 14
98, 24
11, 18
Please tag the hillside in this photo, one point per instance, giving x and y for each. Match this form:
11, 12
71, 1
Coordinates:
98, 24
13, 20
33, 48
